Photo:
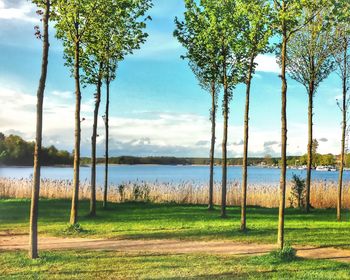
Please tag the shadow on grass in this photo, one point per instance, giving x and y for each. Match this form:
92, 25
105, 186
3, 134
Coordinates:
159, 221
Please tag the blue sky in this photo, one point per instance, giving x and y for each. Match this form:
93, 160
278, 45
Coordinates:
157, 107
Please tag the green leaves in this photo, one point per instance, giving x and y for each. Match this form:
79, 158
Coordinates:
224, 33
310, 62
107, 31
196, 34
256, 18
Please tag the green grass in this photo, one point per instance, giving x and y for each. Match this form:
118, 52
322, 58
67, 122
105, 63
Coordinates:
150, 221
113, 265
153, 221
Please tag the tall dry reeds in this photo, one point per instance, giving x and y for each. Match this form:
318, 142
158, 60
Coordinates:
323, 194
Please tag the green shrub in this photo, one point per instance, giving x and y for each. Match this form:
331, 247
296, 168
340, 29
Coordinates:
287, 254
141, 192
74, 229
298, 192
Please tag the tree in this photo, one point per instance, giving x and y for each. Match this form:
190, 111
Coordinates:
342, 59
268, 160
108, 79
288, 20
73, 20
309, 63
203, 56
339, 18
225, 31
44, 11
315, 155
125, 30
94, 67
256, 24
297, 194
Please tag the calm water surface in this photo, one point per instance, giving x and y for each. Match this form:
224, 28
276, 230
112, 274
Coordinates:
166, 173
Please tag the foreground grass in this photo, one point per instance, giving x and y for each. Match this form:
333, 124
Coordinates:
112, 265
154, 221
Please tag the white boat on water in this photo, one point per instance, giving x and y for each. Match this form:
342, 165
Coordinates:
321, 168
326, 168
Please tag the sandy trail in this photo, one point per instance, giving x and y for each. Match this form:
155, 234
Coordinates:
11, 242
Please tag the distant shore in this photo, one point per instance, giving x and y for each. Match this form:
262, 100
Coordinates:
136, 164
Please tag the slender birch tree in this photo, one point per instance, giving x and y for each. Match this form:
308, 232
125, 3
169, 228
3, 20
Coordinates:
309, 62
203, 55
226, 26
73, 19
116, 33
110, 76
288, 20
342, 59
256, 19
338, 17
126, 32
44, 10
94, 68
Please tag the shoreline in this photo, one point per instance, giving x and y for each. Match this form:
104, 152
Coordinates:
144, 164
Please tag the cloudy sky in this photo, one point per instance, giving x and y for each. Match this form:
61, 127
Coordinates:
157, 107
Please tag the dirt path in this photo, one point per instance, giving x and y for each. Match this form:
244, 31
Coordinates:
10, 242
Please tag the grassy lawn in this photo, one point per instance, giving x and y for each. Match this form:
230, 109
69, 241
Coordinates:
150, 221
112, 265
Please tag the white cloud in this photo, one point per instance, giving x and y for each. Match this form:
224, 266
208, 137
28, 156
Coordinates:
63, 94
145, 132
18, 10
267, 63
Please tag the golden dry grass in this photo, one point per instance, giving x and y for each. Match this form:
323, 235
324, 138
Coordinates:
323, 194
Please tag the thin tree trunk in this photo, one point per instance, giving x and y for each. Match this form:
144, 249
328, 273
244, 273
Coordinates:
105, 193
309, 146
245, 152
344, 127
212, 148
282, 195
33, 229
75, 197
224, 146
93, 147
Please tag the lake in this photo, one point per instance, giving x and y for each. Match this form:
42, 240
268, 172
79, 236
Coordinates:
167, 173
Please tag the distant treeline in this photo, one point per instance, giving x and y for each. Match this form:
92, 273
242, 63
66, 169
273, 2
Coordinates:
16, 151
327, 159
176, 160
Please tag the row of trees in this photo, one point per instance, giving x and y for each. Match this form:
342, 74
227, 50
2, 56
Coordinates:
223, 39
14, 150
96, 35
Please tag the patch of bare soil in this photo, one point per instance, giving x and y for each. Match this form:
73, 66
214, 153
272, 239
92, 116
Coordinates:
11, 242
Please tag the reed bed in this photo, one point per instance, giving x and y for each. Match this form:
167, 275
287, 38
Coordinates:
323, 193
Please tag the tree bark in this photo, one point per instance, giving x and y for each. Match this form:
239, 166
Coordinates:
75, 197
105, 193
212, 146
282, 194
344, 127
309, 146
224, 145
93, 147
33, 229
245, 152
